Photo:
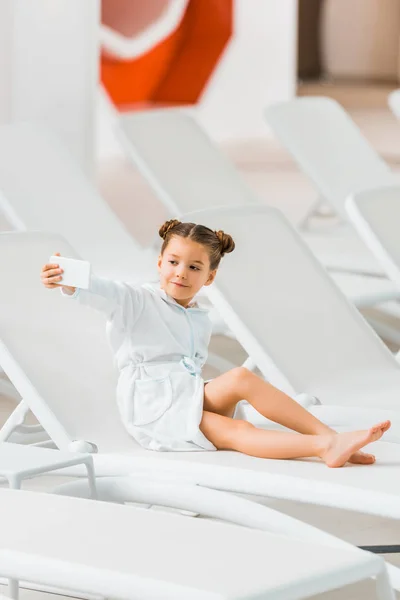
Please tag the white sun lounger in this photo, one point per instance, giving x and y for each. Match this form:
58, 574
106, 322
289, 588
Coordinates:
187, 172
180, 162
55, 353
375, 214
331, 150
298, 318
42, 189
128, 553
37, 201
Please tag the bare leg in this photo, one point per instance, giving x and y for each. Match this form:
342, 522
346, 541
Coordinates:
223, 393
335, 450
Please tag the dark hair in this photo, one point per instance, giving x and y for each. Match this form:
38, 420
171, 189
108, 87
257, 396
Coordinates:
217, 243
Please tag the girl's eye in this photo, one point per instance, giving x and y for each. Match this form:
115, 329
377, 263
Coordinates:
173, 262
194, 268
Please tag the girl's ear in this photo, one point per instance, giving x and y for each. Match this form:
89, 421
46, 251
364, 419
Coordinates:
159, 261
211, 277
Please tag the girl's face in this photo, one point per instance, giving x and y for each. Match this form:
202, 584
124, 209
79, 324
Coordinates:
184, 268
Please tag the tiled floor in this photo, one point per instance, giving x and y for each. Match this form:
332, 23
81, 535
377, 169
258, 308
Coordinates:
274, 177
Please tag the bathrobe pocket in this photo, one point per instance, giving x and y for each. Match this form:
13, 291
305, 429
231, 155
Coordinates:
151, 398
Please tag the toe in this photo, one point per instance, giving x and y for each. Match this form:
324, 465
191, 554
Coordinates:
381, 427
368, 459
362, 458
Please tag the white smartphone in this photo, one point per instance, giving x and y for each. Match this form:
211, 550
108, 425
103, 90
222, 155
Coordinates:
76, 272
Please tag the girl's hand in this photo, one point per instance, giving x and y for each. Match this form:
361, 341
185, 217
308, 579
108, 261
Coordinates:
51, 277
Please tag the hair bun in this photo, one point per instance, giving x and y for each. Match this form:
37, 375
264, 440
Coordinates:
167, 226
226, 242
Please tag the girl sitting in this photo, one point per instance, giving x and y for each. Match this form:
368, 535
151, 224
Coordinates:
160, 337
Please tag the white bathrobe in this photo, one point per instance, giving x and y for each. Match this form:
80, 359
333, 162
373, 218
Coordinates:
159, 348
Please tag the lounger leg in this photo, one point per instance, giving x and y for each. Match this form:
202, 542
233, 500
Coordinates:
16, 419
13, 589
15, 425
314, 210
384, 590
13, 584
91, 477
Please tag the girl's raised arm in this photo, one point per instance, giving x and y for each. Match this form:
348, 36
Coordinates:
105, 295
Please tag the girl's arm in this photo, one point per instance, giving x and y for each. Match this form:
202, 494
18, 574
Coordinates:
104, 295
108, 296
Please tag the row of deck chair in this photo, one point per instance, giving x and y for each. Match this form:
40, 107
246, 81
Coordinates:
90, 224
348, 173
86, 547
62, 169
210, 180
316, 131
375, 213
242, 326
299, 309
76, 222
53, 352
75, 209
330, 149
93, 229
325, 143
46, 552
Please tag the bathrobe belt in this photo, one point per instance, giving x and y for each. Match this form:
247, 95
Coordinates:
187, 362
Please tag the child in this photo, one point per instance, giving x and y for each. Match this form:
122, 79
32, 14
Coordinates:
159, 337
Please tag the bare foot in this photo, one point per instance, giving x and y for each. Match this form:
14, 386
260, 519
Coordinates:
361, 458
345, 447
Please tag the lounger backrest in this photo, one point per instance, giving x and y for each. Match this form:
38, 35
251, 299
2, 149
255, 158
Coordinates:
283, 305
54, 350
329, 148
180, 161
42, 189
376, 215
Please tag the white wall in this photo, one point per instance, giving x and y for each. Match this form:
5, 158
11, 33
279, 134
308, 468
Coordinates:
360, 39
259, 67
49, 68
